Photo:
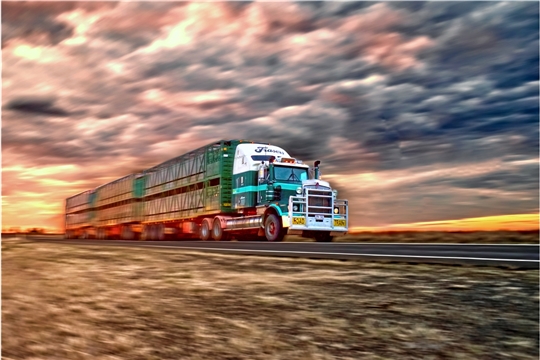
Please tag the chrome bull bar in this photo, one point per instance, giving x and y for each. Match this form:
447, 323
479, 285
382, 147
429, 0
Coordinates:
318, 211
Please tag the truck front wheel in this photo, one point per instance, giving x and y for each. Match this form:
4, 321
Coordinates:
273, 229
218, 233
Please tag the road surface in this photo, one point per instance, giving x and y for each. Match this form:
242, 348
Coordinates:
519, 256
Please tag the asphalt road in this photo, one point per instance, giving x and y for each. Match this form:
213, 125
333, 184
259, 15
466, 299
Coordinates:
516, 256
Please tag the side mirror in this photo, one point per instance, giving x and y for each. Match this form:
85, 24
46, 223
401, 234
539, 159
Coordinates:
270, 176
277, 193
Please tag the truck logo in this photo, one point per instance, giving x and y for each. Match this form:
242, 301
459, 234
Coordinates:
267, 150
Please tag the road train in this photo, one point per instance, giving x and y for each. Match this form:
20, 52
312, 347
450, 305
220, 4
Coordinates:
228, 189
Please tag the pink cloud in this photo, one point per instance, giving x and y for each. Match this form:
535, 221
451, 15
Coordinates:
376, 43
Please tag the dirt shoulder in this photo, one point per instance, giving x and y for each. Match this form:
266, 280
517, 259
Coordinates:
85, 302
437, 237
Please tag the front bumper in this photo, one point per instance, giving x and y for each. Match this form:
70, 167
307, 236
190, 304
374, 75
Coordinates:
301, 222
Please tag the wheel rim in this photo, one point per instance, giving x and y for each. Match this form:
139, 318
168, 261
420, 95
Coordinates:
272, 228
205, 231
145, 233
216, 230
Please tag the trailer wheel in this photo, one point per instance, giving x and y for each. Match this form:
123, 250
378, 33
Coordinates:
152, 232
126, 234
204, 233
273, 229
147, 232
323, 236
143, 233
217, 232
160, 232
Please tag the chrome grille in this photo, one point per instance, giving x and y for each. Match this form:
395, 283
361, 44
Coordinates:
320, 204
319, 201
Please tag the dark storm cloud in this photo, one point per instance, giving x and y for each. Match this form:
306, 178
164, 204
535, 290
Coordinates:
299, 128
36, 106
521, 178
43, 138
375, 114
473, 58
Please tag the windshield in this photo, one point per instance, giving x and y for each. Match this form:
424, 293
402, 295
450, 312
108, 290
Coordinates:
291, 174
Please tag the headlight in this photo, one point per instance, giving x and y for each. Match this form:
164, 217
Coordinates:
299, 190
336, 210
295, 207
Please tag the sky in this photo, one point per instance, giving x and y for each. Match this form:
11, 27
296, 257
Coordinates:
421, 112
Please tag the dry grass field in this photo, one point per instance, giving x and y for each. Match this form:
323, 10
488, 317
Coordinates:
85, 302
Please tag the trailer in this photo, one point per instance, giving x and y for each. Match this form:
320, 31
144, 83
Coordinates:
228, 189
78, 215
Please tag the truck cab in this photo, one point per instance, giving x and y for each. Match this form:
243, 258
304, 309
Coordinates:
289, 196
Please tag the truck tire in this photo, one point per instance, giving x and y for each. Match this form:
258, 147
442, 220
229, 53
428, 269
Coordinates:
323, 236
273, 229
152, 232
160, 232
144, 233
205, 233
218, 233
148, 232
126, 233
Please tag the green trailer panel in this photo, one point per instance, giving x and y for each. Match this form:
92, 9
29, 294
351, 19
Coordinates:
194, 184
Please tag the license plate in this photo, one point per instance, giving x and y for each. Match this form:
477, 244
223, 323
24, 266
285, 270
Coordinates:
298, 221
340, 222
319, 217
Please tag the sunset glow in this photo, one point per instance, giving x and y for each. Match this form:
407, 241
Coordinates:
520, 222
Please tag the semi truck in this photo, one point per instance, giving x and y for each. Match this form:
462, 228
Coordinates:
230, 189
